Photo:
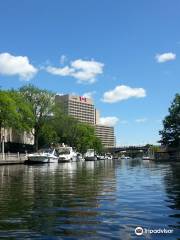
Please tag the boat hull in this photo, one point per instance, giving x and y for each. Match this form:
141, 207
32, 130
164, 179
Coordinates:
100, 158
42, 159
90, 158
62, 160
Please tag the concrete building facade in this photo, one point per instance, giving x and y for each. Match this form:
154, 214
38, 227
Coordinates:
11, 135
106, 134
78, 107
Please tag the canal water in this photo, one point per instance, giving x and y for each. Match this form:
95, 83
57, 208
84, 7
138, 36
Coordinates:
90, 200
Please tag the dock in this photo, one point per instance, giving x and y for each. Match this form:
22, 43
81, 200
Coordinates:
12, 158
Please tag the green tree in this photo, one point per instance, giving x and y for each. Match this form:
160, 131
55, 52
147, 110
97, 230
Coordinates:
8, 113
63, 125
73, 133
170, 135
23, 109
97, 145
68, 130
48, 135
86, 138
14, 112
42, 106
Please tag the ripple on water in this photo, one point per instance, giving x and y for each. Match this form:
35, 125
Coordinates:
103, 200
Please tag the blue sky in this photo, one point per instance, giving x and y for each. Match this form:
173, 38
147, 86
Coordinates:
123, 52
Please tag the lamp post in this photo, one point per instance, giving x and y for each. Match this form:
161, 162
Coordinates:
3, 157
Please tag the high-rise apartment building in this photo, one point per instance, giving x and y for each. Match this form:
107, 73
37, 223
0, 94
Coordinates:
83, 109
106, 134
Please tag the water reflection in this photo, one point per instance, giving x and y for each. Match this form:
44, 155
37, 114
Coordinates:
172, 184
98, 200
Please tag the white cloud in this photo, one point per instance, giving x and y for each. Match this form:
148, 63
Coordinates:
141, 120
123, 92
65, 71
164, 57
108, 121
83, 71
89, 94
16, 65
86, 70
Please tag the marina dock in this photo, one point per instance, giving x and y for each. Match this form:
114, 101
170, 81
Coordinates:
12, 158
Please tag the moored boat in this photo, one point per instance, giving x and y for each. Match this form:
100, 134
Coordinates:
100, 157
125, 158
66, 154
43, 156
90, 155
147, 158
108, 156
79, 157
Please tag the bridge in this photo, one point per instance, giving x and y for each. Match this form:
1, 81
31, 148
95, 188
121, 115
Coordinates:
129, 149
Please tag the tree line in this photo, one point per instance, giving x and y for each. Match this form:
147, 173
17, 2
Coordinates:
170, 135
34, 110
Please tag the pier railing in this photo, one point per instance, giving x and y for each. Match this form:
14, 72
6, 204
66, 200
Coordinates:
13, 156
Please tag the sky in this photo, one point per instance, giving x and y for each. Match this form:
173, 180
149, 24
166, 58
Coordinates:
122, 53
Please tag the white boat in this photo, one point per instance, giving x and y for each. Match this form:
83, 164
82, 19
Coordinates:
79, 157
90, 155
125, 157
66, 154
43, 156
100, 157
147, 158
108, 156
